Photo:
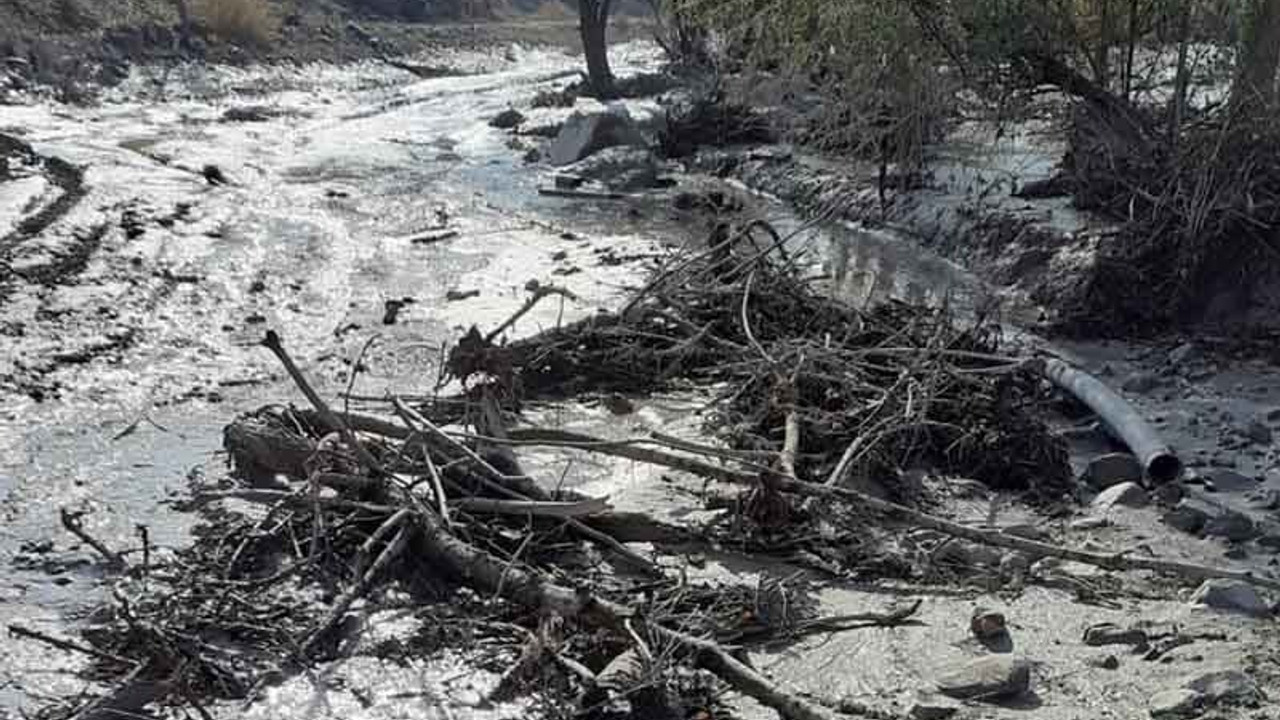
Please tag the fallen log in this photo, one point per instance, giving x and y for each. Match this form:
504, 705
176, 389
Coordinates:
486, 574
1110, 561
580, 194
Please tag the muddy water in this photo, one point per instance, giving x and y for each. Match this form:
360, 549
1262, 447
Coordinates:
120, 372
116, 377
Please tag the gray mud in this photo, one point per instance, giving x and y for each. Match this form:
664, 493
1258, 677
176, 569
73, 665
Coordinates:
129, 340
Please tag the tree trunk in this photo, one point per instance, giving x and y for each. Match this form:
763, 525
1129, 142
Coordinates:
594, 24
1102, 58
1254, 92
184, 24
1178, 110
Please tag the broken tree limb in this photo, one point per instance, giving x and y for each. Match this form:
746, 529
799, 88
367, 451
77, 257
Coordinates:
1112, 561
626, 449
1158, 460
127, 699
533, 590
581, 194
340, 607
272, 342
545, 508
71, 521
498, 486
67, 645
540, 291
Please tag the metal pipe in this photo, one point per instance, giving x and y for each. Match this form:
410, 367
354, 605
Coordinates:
1158, 460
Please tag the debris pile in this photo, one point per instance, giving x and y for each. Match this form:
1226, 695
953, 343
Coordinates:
330, 509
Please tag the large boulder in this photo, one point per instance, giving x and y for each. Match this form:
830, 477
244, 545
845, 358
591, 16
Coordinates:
990, 678
1231, 596
623, 168
585, 133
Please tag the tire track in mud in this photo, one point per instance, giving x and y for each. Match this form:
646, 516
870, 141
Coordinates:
65, 176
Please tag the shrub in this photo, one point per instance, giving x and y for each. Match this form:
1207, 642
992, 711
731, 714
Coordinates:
245, 22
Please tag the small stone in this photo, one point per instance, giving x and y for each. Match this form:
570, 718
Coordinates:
1128, 494
1267, 500
1141, 382
1015, 565
1112, 634
1186, 516
1230, 481
987, 623
1234, 526
507, 119
1175, 703
1273, 415
1231, 596
997, 676
1112, 469
1224, 685
1168, 494
1258, 432
1106, 662
934, 707
1089, 523
1182, 354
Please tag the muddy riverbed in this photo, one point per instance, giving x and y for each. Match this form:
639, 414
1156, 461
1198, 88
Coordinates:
129, 329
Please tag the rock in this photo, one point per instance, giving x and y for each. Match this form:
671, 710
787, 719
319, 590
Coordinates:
1258, 432
214, 175
1270, 538
1182, 354
249, 113
1106, 662
1128, 494
1015, 565
1224, 685
1141, 382
1175, 703
1273, 415
1089, 523
1187, 516
1112, 469
1231, 596
997, 676
1168, 494
1234, 526
619, 168
1112, 634
583, 134
507, 119
934, 707
987, 623
1266, 500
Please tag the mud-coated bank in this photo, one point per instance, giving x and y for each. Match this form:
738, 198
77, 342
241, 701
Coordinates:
1061, 267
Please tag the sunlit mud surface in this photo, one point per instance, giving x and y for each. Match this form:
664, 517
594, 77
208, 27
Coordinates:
130, 329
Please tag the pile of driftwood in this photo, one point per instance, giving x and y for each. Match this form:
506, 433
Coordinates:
433, 498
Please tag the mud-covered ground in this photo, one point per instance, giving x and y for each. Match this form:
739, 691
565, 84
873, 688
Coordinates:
130, 324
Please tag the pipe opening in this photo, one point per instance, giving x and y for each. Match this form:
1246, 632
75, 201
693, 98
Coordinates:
1164, 468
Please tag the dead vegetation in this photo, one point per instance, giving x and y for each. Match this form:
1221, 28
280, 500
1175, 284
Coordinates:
435, 507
